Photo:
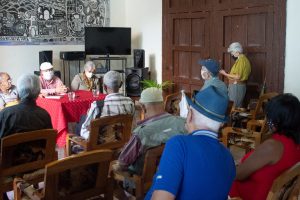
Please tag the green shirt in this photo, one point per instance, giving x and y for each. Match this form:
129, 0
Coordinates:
241, 67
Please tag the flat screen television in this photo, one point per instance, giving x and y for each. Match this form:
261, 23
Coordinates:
107, 41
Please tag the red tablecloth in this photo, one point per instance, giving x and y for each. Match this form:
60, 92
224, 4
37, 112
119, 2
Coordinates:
63, 111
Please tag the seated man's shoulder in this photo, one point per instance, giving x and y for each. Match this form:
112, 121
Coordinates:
177, 141
173, 120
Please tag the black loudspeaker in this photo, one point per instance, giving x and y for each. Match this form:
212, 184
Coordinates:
45, 56
134, 76
139, 58
72, 55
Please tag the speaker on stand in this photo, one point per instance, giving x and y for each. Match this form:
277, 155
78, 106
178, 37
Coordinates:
139, 58
134, 76
45, 56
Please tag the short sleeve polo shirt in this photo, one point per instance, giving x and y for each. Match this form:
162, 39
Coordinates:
195, 167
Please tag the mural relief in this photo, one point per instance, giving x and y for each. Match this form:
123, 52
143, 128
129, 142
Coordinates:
50, 21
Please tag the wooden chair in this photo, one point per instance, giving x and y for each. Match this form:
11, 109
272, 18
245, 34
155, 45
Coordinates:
118, 125
25, 152
79, 177
286, 186
139, 111
248, 138
171, 103
258, 111
144, 181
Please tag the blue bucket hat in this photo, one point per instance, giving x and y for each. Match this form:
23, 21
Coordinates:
211, 103
211, 65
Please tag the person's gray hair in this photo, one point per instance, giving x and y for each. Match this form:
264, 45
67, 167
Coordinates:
89, 64
28, 86
201, 120
235, 47
112, 80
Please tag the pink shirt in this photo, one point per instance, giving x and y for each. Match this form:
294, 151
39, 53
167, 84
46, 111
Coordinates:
48, 87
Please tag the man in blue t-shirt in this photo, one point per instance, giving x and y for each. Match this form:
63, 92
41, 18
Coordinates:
197, 166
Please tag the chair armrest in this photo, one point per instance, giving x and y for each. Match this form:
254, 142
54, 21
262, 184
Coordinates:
78, 140
21, 186
38, 174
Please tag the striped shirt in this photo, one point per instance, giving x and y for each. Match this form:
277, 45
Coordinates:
6, 98
114, 104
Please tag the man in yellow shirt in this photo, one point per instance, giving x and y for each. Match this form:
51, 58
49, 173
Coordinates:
238, 75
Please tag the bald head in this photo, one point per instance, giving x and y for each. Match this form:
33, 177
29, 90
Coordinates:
5, 82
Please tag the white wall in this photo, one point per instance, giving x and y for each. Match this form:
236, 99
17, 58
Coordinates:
17, 60
292, 61
144, 16
145, 19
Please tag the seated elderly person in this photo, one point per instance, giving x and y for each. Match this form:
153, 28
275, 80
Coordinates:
86, 80
259, 168
196, 166
114, 103
8, 92
155, 130
26, 116
209, 73
50, 84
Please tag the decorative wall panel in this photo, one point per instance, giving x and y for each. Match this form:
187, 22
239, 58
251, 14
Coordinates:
50, 21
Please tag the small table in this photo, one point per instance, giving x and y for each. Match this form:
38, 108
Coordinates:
63, 111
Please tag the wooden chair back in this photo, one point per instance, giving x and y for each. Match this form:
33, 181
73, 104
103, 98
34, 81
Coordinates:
25, 152
171, 103
139, 112
259, 108
151, 163
80, 176
119, 125
246, 139
144, 181
286, 186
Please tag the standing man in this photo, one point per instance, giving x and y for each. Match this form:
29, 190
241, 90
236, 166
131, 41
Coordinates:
238, 75
197, 166
8, 92
209, 73
50, 84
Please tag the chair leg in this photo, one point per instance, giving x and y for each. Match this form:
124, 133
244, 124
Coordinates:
139, 192
109, 189
68, 147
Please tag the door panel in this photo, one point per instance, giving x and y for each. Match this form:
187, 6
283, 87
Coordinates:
190, 43
197, 29
253, 29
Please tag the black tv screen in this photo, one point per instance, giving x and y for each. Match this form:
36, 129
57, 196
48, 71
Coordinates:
107, 41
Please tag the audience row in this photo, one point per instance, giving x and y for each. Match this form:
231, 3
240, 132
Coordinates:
194, 164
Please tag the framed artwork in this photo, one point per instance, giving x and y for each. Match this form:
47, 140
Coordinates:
35, 22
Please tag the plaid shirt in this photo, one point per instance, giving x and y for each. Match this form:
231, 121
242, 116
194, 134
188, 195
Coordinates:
114, 104
49, 87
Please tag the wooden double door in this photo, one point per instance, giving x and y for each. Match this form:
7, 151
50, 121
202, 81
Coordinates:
197, 29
